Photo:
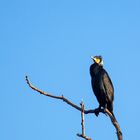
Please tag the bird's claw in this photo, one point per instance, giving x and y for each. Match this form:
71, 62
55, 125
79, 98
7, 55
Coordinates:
97, 111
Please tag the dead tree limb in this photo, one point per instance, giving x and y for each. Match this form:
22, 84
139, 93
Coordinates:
82, 124
104, 111
116, 124
60, 98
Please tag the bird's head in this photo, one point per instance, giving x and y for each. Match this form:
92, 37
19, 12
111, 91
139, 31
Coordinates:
98, 60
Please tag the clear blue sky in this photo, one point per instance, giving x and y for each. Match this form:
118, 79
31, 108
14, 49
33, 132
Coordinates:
51, 41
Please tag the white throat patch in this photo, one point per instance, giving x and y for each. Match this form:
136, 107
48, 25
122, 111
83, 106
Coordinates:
102, 63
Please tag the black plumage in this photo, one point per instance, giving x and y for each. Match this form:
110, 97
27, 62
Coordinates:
101, 84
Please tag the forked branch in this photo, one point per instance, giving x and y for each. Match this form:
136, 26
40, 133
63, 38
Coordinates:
106, 111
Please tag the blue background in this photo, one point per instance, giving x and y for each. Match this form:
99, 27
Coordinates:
51, 41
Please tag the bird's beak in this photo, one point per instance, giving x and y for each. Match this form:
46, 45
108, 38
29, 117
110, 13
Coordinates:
93, 58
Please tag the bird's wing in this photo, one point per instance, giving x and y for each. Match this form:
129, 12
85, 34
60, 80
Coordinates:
108, 86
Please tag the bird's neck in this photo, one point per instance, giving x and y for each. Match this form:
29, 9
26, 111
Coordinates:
95, 68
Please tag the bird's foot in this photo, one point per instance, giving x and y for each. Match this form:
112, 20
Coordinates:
97, 111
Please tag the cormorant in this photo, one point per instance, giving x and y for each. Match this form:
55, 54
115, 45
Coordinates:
101, 85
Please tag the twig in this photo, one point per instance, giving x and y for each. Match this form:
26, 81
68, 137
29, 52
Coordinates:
82, 116
60, 98
84, 137
113, 120
82, 123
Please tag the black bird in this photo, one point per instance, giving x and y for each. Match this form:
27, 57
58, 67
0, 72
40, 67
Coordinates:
101, 85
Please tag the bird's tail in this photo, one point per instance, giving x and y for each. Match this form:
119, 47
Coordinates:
110, 108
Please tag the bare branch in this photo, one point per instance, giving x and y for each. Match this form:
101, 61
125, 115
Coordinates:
59, 97
115, 123
104, 111
82, 123
84, 137
83, 119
